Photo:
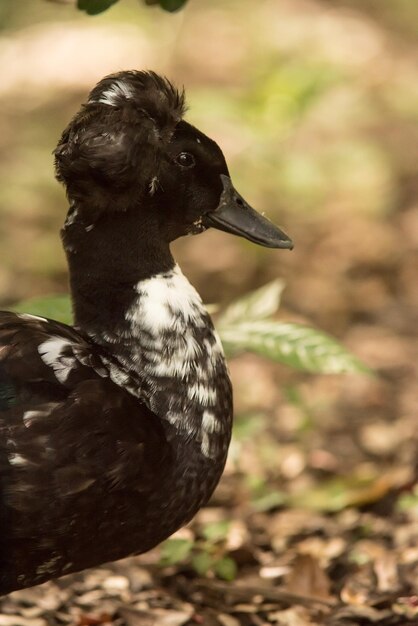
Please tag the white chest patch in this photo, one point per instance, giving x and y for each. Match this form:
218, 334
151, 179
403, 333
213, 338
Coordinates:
164, 300
180, 354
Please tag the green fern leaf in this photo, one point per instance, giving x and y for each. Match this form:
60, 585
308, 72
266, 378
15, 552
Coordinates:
292, 344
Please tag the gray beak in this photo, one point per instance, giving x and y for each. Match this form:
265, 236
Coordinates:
234, 215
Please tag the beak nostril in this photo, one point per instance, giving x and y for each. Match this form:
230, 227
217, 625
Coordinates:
239, 201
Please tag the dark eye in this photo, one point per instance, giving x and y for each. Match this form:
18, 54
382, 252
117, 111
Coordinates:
185, 159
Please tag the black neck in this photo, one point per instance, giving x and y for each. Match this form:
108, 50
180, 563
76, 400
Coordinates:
106, 262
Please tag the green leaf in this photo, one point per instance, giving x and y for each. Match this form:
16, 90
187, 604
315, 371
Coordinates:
256, 305
56, 307
225, 568
408, 501
360, 489
202, 562
216, 531
175, 550
269, 501
172, 5
93, 7
292, 344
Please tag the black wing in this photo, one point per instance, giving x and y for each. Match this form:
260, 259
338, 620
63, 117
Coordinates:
75, 450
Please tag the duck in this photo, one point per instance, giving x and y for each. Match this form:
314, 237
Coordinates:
115, 431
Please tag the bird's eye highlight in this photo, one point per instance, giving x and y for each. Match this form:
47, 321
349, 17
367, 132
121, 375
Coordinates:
185, 159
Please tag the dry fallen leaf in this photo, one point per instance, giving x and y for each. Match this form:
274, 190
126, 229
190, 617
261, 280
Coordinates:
157, 617
387, 574
228, 620
307, 578
294, 616
15, 620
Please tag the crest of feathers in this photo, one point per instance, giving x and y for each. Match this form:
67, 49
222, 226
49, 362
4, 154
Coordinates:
148, 92
112, 144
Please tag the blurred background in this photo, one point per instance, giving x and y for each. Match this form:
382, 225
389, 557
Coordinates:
315, 104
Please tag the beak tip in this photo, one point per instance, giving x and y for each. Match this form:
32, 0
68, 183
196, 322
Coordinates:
278, 240
280, 245
288, 245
